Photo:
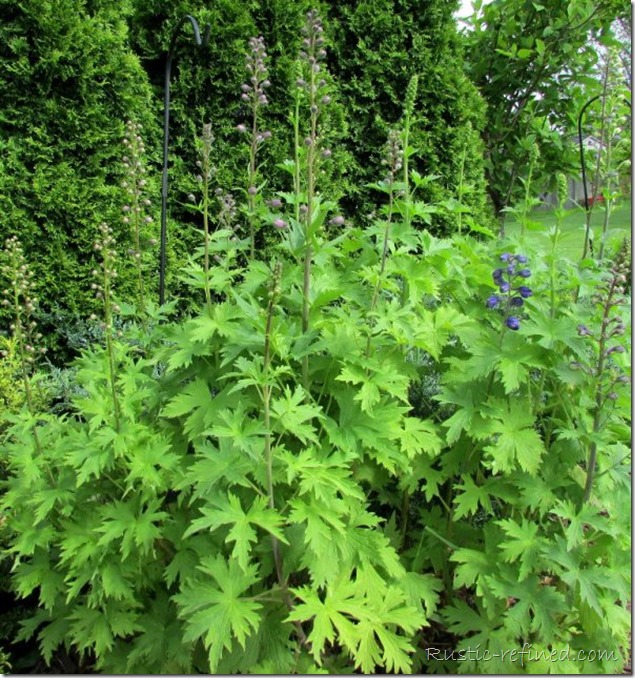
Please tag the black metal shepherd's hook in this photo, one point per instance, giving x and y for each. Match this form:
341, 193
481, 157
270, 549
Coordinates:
582, 163
166, 134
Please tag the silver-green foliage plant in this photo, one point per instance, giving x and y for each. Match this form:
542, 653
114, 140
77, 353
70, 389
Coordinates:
252, 490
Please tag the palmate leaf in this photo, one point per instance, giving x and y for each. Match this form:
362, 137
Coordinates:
420, 436
293, 414
365, 625
516, 439
215, 610
522, 543
470, 498
436, 327
230, 512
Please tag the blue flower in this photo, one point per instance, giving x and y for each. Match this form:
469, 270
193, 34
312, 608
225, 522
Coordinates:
524, 273
517, 302
521, 258
506, 256
504, 286
497, 275
524, 291
492, 301
512, 322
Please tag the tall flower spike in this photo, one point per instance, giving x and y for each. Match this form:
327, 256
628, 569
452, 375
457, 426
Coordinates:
254, 94
136, 211
20, 294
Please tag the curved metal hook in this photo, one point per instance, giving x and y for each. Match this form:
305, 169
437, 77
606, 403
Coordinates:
200, 42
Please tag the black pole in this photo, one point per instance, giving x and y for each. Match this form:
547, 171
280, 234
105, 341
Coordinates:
582, 163
166, 136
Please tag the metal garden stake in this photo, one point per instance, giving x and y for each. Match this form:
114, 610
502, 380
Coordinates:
166, 134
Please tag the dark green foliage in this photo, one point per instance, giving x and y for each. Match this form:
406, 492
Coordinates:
378, 45
68, 84
373, 48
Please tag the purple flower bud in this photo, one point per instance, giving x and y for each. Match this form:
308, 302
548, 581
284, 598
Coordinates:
326, 100
262, 99
524, 273
521, 258
497, 275
511, 268
524, 291
505, 256
245, 88
280, 223
266, 134
300, 82
492, 301
615, 349
327, 153
252, 190
244, 97
303, 209
275, 203
504, 286
338, 220
241, 128
583, 331
307, 141
516, 302
512, 322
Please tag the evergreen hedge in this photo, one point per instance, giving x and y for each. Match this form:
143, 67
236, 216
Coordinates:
69, 82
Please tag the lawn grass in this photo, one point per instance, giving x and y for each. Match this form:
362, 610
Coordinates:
573, 225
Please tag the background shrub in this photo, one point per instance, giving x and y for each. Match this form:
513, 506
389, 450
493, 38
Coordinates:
68, 85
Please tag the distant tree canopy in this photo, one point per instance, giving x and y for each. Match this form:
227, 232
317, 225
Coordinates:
532, 63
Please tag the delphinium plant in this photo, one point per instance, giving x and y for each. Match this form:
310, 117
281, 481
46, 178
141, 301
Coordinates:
255, 97
604, 373
247, 515
136, 210
105, 276
20, 296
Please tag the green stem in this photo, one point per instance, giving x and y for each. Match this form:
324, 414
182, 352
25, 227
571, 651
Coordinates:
308, 255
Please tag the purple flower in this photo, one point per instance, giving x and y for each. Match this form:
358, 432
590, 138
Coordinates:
512, 322
252, 190
275, 203
524, 291
506, 256
524, 273
280, 223
492, 301
337, 221
516, 302
583, 331
504, 286
521, 258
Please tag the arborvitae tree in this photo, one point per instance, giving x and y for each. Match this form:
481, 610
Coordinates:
68, 84
373, 49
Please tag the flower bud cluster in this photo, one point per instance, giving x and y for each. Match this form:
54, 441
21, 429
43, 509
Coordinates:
20, 293
312, 53
227, 213
394, 157
609, 296
313, 42
510, 296
254, 91
136, 211
105, 275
